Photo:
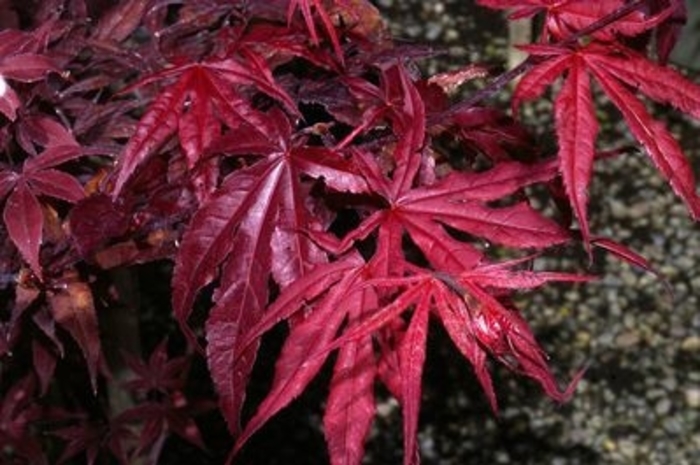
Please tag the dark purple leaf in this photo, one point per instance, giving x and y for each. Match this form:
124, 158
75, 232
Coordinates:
24, 221
94, 221
73, 309
57, 184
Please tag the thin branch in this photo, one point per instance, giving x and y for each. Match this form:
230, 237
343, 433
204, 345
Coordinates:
502, 80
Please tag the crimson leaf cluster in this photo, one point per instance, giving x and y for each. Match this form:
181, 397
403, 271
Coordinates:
298, 170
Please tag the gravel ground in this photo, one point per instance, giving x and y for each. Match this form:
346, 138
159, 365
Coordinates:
639, 402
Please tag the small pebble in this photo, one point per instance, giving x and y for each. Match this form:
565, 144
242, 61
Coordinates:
692, 397
627, 339
691, 344
663, 406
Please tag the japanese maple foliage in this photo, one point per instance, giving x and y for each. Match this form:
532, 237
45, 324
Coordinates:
291, 163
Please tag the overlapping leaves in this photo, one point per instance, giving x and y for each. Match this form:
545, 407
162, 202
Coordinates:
195, 106
620, 72
255, 229
22, 213
308, 149
21, 60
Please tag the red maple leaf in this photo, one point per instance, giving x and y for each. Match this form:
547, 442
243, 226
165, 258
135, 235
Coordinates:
22, 213
159, 374
264, 234
617, 71
251, 229
478, 323
202, 99
364, 296
289, 159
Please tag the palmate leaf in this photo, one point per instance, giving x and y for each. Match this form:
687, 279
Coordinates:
164, 409
248, 198
159, 374
22, 212
196, 105
477, 322
577, 126
459, 201
251, 229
